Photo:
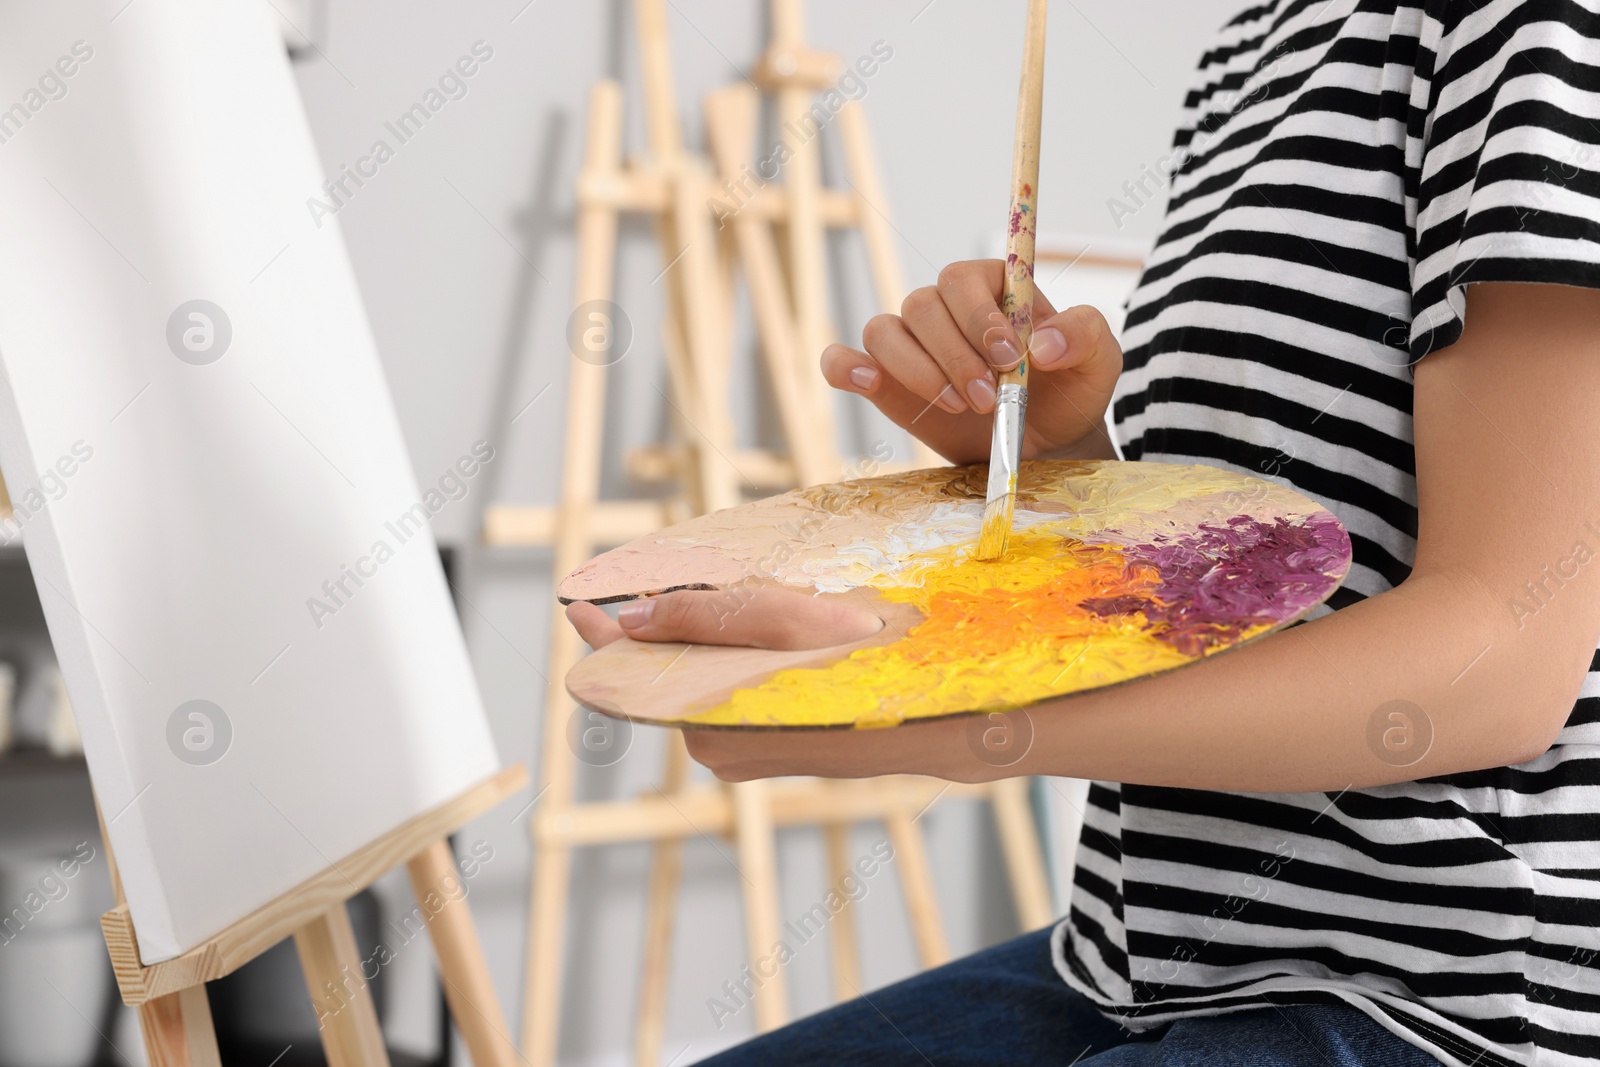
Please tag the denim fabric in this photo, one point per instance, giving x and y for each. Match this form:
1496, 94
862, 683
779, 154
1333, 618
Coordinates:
1008, 1006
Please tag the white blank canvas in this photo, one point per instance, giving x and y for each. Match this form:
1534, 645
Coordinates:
182, 513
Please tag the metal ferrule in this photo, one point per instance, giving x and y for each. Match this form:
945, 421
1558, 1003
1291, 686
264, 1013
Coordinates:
1010, 407
1005, 458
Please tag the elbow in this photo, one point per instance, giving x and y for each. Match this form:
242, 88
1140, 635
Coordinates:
1502, 726
1521, 731
1538, 696
1537, 733
1524, 753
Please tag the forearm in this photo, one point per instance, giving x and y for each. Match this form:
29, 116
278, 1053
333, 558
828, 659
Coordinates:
1292, 712
1308, 708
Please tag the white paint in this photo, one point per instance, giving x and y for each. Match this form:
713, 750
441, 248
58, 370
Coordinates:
198, 508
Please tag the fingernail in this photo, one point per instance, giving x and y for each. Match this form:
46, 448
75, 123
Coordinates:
981, 393
1048, 347
864, 378
635, 614
951, 401
1003, 354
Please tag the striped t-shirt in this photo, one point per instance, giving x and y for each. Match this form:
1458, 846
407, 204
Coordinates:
1342, 169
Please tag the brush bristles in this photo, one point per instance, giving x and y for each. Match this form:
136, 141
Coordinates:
996, 528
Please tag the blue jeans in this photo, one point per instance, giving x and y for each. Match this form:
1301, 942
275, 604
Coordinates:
1007, 1005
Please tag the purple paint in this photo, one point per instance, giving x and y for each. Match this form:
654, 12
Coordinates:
1231, 577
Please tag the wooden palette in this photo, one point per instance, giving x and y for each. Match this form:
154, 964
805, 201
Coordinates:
1116, 571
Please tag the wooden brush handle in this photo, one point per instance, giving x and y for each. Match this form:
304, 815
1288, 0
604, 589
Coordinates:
1017, 299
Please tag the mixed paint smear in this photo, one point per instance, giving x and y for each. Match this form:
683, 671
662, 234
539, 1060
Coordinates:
1114, 571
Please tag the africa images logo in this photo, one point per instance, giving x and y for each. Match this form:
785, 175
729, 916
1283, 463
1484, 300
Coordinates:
199, 332
199, 732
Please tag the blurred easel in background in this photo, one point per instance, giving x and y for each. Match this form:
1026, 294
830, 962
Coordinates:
707, 224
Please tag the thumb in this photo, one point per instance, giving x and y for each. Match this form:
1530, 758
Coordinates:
1077, 339
779, 619
592, 624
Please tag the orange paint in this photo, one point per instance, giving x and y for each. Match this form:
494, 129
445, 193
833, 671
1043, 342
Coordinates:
995, 636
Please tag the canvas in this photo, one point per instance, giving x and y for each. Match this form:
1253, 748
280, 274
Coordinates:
231, 547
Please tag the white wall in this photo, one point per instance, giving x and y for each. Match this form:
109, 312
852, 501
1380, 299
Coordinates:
463, 245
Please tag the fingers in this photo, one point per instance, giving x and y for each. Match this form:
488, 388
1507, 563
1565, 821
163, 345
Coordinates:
941, 748
932, 368
896, 351
779, 619
741, 756
935, 331
592, 624
1078, 339
856, 372
971, 291
959, 438
1076, 361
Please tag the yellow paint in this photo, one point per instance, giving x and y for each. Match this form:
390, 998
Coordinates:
997, 519
997, 635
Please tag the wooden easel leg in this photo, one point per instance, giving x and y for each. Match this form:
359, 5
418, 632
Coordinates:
467, 986
552, 870
178, 1031
807, 233
842, 930
694, 326
875, 231
727, 301
731, 114
666, 872
552, 873
339, 991
655, 63
708, 407
916, 882
758, 865
1019, 839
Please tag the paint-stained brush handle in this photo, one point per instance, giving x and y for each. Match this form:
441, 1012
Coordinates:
1016, 301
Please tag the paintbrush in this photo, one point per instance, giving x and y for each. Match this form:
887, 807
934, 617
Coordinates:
1016, 301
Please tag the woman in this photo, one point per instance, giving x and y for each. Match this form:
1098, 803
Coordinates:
1371, 838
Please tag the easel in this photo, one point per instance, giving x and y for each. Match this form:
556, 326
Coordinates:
171, 997
674, 187
790, 342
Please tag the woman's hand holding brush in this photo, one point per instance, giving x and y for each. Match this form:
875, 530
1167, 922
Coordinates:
931, 369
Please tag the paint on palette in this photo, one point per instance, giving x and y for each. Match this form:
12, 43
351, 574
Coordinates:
1114, 571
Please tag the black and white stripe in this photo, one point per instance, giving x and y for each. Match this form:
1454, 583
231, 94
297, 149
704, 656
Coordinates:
1347, 166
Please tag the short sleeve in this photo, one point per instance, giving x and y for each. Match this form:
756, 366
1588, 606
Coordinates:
1505, 118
